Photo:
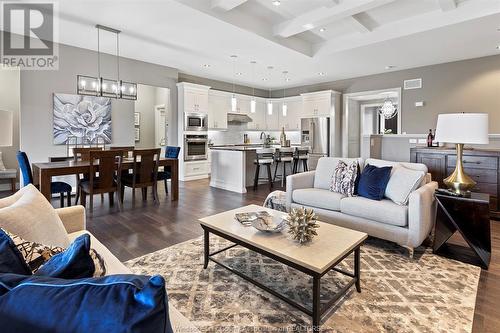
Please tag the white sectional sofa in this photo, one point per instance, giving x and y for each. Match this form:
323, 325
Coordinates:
407, 225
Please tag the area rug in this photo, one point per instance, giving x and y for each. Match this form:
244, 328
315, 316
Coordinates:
426, 294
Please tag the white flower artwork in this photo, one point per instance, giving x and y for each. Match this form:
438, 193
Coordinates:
86, 118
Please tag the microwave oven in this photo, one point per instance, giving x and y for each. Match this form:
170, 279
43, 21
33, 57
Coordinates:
195, 122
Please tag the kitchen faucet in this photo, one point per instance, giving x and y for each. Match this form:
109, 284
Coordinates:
262, 133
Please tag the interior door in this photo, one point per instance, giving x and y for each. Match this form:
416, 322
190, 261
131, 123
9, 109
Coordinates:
161, 127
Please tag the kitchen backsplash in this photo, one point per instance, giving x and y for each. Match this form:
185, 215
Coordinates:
234, 135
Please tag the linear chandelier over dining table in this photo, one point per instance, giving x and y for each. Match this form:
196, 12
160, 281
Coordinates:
99, 86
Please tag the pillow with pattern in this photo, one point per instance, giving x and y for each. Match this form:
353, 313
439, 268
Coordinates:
36, 255
344, 178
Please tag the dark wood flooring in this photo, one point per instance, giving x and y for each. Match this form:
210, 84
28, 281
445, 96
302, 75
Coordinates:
143, 227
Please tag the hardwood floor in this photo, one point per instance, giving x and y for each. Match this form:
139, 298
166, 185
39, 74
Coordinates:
142, 228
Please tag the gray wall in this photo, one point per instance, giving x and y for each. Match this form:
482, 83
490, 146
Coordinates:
221, 85
37, 88
9, 101
463, 86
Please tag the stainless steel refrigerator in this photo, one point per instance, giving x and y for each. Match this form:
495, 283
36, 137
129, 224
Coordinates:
315, 133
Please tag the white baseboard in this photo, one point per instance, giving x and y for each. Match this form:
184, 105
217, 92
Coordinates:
186, 179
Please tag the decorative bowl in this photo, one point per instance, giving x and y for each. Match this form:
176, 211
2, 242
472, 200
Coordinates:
269, 224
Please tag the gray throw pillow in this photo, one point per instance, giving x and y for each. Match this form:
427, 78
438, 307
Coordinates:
403, 181
344, 178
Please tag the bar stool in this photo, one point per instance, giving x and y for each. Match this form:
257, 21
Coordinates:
283, 155
265, 157
301, 154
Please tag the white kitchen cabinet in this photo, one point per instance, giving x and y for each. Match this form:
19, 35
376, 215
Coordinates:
219, 104
259, 117
318, 104
291, 122
193, 98
272, 120
243, 104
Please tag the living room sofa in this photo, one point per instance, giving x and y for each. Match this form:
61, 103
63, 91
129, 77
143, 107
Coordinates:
407, 225
74, 222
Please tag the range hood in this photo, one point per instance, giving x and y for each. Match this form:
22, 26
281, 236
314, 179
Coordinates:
238, 118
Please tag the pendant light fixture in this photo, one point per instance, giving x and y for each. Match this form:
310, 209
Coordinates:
269, 102
253, 103
234, 102
99, 86
284, 107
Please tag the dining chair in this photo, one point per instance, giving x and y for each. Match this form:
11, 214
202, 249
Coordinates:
61, 188
165, 175
127, 150
82, 154
144, 173
109, 163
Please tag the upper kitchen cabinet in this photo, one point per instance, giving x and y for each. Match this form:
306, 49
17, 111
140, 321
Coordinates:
320, 104
243, 104
273, 120
259, 117
193, 98
219, 104
291, 120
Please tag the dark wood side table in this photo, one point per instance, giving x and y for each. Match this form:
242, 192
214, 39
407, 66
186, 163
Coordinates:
471, 218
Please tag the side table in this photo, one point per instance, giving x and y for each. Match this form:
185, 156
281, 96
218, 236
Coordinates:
471, 218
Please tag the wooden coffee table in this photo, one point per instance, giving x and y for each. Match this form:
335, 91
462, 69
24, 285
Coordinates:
331, 246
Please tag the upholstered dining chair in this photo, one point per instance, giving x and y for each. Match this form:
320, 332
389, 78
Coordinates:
82, 154
144, 173
110, 165
165, 175
61, 188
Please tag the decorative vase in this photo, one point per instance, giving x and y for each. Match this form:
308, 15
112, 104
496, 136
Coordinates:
302, 224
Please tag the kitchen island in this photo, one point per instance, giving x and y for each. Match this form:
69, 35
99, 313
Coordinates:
233, 168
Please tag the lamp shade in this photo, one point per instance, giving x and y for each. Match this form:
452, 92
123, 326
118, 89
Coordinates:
5, 128
466, 128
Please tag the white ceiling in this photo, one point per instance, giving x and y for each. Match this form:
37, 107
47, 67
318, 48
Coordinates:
361, 37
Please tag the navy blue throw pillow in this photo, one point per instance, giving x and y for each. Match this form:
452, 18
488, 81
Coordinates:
116, 303
74, 263
11, 260
373, 182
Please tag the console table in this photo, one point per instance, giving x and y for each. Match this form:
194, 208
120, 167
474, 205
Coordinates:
482, 165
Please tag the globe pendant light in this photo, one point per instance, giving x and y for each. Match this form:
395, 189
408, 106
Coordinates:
234, 102
284, 106
253, 103
388, 110
269, 102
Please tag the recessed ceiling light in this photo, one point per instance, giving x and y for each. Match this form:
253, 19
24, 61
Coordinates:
265, 79
498, 47
321, 73
287, 79
322, 29
239, 73
276, 2
390, 67
206, 65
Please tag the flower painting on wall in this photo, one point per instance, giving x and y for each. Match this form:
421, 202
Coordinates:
84, 119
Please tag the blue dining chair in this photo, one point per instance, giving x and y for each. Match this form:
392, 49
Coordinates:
170, 152
55, 187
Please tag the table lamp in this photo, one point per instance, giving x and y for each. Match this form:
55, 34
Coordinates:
5, 128
461, 128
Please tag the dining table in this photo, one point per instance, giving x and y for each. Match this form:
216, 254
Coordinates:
44, 171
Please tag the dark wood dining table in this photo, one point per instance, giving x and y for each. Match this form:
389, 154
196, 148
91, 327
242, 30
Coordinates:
43, 172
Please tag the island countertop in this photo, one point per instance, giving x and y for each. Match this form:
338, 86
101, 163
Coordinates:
246, 147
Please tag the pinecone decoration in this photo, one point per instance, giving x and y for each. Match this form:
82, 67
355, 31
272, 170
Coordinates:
302, 224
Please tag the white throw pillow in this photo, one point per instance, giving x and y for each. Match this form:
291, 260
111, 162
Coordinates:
2, 166
33, 218
403, 181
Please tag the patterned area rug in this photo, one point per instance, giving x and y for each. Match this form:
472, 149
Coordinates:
426, 294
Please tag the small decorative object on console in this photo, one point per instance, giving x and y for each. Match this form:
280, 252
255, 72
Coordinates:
302, 224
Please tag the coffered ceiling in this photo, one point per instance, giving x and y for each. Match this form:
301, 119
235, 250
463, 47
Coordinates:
314, 40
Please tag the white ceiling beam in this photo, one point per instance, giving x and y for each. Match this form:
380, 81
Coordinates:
324, 15
469, 10
226, 5
358, 25
447, 5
